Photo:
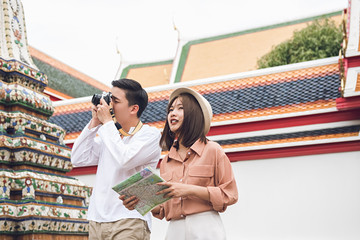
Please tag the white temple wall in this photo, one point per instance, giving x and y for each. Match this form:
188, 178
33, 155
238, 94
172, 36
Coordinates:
306, 197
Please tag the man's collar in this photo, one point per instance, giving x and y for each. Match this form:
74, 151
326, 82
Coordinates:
132, 130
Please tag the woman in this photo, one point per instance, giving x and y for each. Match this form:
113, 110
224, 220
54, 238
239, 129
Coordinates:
197, 172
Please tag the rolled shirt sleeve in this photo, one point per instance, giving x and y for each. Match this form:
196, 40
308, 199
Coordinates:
161, 213
224, 193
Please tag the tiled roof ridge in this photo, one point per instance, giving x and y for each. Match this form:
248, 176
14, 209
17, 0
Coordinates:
67, 69
57, 93
255, 81
75, 108
309, 87
247, 74
156, 90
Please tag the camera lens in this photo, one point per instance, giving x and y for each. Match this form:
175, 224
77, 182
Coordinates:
96, 98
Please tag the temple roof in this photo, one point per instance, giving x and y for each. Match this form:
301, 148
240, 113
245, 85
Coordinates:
275, 97
219, 55
351, 54
61, 76
149, 74
288, 110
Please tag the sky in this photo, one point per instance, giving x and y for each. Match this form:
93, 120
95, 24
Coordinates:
97, 37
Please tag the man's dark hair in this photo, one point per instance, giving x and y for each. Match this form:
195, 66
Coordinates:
192, 127
134, 93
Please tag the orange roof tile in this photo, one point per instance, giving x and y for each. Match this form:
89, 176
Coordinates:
58, 93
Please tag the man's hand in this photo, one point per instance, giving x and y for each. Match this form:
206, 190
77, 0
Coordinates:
130, 202
103, 112
94, 120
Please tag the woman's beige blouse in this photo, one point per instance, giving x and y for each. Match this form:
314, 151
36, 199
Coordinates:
205, 165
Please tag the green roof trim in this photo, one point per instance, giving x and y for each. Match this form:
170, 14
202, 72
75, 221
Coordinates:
64, 82
126, 70
186, 47
26, 105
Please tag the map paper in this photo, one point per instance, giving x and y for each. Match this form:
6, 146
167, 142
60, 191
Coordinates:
143, 186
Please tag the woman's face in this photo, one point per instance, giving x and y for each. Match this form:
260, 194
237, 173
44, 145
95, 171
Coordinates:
175, 116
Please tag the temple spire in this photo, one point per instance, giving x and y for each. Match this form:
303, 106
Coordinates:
37, 199
14, 44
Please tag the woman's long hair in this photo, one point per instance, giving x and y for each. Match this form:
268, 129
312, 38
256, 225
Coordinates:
192, 127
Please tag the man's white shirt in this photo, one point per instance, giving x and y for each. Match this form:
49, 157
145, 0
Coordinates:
117, 159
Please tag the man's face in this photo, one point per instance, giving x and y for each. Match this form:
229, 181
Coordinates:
120, 105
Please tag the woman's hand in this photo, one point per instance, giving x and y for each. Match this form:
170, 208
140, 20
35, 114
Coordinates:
130, 202
174, 189
182, 190
156, 210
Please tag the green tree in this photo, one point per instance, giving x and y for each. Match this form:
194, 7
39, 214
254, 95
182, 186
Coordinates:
320, 39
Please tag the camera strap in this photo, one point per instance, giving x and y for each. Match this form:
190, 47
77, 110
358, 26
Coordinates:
119, 128
137, 128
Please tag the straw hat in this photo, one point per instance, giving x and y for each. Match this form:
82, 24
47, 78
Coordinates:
204, 104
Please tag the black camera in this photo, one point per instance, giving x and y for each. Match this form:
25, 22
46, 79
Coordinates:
96, 98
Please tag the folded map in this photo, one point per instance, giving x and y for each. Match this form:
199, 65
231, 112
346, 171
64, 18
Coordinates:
143, 186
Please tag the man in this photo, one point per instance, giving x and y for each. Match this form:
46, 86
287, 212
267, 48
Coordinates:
118, 154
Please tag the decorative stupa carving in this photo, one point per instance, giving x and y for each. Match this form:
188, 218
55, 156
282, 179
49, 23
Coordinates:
37, 199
